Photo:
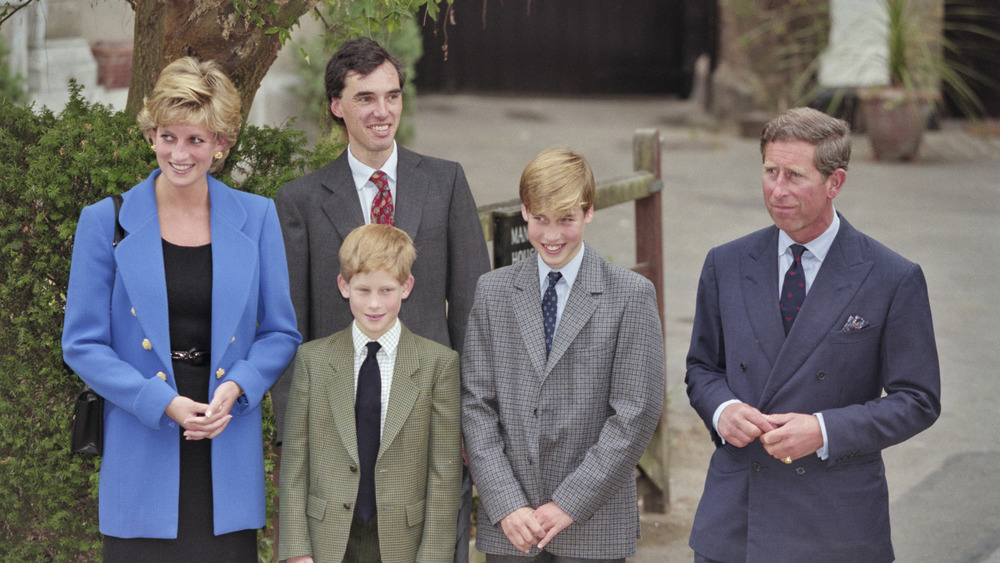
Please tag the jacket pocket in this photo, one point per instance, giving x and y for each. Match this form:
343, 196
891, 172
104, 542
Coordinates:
415, 513
315, 507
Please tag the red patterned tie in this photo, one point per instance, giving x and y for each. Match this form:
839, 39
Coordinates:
383, 211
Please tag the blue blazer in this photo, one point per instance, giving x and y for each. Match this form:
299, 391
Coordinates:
116, 338
756, 508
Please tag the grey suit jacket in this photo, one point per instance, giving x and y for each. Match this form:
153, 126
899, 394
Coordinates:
569, 428
815, 510
419, 467
433, 205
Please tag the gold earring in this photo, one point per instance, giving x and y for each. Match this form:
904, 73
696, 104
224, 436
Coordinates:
152, 147
217, 155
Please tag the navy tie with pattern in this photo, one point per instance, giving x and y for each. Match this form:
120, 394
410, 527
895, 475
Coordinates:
368, 421
550, 304
793, 289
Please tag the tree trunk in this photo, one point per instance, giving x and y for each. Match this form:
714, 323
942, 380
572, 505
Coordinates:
166, 30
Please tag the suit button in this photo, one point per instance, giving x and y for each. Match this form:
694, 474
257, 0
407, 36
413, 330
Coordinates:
146, 344
347, 506
535, 412
743, 367
800, 470
821, 375
755, 467
220, 373
353, 468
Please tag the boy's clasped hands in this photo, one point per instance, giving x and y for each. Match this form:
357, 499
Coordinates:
526, 527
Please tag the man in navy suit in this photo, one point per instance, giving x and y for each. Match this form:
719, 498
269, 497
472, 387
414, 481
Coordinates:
803, 382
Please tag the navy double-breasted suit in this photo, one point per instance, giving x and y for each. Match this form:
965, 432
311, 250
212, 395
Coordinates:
116, 337
875, 386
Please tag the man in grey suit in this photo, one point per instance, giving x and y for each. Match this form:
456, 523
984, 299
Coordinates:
562, 385
812, 351
375, 180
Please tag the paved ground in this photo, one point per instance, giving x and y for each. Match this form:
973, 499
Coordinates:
941, 212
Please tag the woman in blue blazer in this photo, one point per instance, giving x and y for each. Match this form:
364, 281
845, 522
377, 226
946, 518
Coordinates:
182, 327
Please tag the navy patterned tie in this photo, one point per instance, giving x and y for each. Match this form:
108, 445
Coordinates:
793, 289
368, 421
550, 306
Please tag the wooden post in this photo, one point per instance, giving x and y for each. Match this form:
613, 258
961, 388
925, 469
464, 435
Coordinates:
654, 478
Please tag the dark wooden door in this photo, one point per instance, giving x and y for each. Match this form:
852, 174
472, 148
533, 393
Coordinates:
569, 46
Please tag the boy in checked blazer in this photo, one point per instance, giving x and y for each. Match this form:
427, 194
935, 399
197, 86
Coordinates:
562, 384
372, 460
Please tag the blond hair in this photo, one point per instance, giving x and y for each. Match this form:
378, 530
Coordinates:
190, 92
377, 247
557, 180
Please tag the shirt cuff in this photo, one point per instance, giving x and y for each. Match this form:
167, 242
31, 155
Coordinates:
823, 452
722, 407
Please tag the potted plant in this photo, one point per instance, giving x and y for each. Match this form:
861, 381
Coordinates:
921, 60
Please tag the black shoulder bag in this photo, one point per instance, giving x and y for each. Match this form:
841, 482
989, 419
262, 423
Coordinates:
88, 412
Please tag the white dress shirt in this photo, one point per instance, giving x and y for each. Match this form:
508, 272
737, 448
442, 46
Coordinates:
386, 358
362, 174
565, 284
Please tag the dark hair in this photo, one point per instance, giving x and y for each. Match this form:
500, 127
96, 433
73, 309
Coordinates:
361, 56
830, 136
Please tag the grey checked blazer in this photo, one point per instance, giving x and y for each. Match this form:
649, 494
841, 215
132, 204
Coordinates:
571, 428
433, 205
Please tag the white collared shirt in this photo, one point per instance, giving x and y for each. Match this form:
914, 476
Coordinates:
812, 258
386, 358
565, 284
362, 174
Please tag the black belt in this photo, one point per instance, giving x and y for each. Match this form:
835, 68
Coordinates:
193, 356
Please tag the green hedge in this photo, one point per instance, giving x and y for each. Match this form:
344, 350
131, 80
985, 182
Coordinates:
51, 165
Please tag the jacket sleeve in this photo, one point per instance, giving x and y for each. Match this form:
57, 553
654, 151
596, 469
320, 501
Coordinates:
500, 493
276, 336
707, 384
294, 474
444, 476
910, 375
636, 399
467, 257
86, 339
296, 239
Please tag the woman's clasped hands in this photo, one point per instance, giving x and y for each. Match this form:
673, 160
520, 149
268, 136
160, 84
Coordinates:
205, 421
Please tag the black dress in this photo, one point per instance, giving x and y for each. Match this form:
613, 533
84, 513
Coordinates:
189, 303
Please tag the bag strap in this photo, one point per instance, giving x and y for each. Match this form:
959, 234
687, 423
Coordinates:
119, 231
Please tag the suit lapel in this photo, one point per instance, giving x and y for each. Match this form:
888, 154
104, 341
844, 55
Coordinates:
340, 391
342, 207
580, 306
838, 280
139, 257
404, 392
759, 282
234, 266
526, 302
412, 189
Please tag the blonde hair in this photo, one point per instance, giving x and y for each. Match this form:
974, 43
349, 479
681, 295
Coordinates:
377, 247
557, 180
190, 92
